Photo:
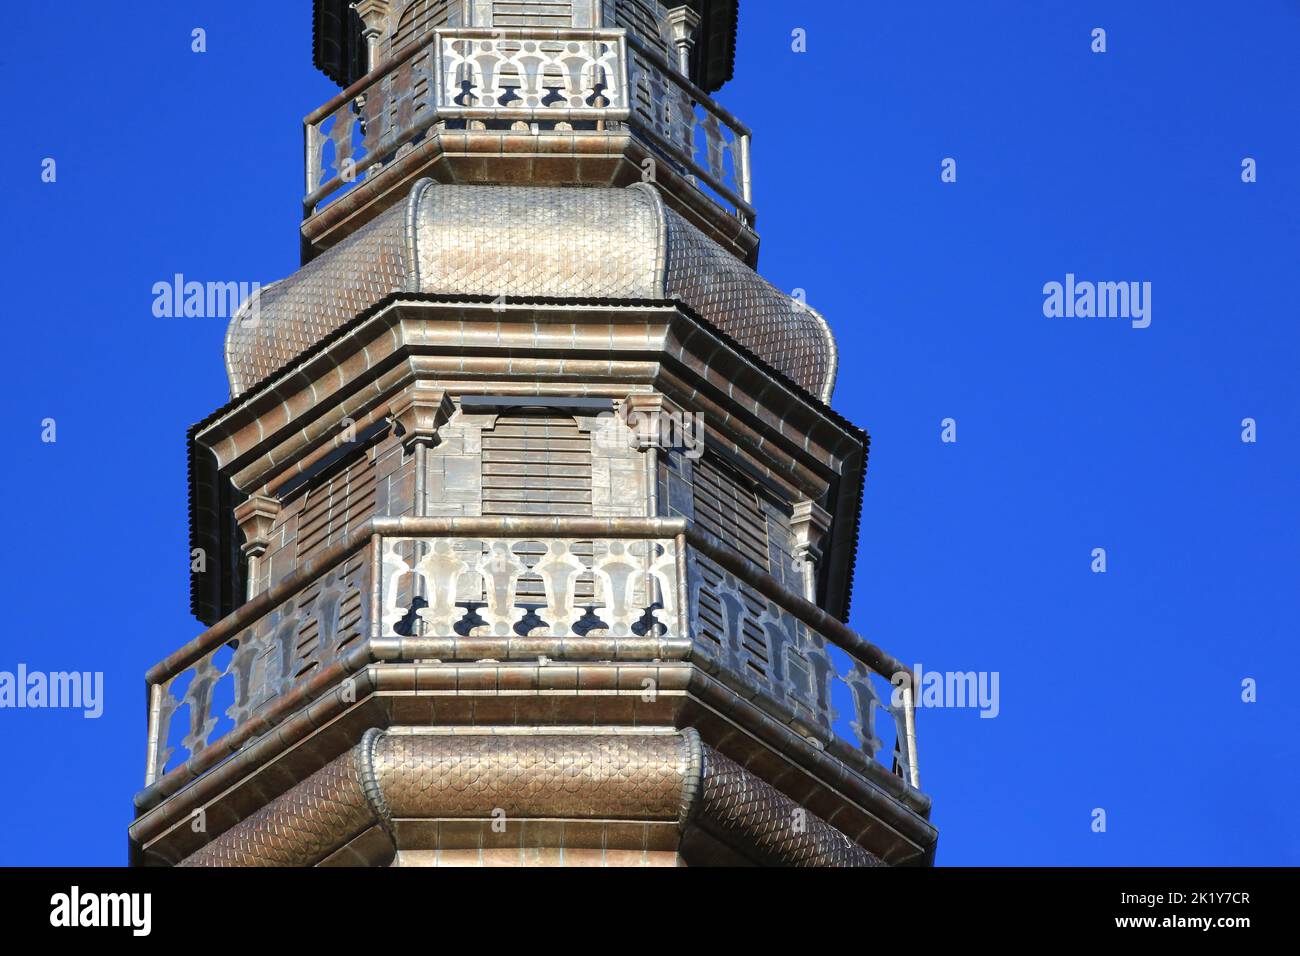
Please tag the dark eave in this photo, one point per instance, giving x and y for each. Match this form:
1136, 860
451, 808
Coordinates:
713, 61
339, 51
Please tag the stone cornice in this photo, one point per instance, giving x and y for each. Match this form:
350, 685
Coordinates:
463, 345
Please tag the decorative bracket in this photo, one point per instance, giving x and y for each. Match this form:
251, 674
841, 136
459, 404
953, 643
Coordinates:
374, 17
646, 414
683, 21
419, 412
255, 518
809, 523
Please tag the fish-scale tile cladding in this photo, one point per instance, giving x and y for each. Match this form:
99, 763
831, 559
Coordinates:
564, 242
296, 313
789, 336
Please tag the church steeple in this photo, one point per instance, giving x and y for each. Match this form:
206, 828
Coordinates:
528, 531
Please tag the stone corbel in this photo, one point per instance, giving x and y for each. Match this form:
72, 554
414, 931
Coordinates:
683, 21
644, 413
809, 524
374, 19
418, 413
256, 517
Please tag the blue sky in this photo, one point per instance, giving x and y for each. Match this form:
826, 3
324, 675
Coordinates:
1119, 691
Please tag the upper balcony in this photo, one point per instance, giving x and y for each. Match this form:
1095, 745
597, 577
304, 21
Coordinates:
551, 620
520, 106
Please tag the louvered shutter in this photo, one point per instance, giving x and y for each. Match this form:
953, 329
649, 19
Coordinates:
536, 465
337, 504
727, 507
419, 20
557, 14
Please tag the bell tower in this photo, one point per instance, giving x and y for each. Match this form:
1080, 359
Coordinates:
528, 529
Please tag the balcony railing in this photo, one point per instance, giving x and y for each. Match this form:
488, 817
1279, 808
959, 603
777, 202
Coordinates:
525, 81
516, 589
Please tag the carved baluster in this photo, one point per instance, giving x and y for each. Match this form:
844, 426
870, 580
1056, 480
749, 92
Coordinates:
823, 673
441, 570
285, 643
777, 628
455, 68
501, 569
251, 646
865, 700
663, 569
376, 123
485, 79
560, 569
341, 137
684, 122
394, 568
716, 147
733, 612
617, 574
199, 697
326, 612
579, 75
528, 62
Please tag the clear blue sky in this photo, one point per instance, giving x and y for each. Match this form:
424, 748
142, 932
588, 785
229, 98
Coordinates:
1119, 691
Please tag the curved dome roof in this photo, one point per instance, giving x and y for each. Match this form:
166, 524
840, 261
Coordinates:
565, 242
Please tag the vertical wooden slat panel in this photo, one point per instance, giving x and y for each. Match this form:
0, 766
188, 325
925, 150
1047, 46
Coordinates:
727, 507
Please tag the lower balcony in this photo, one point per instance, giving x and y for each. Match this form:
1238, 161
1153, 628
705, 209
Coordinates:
613, 609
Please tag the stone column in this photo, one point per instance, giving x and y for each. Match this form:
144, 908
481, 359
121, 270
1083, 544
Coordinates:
683, 21
418, 413
255, 518
646, 414
809, 523
374, 17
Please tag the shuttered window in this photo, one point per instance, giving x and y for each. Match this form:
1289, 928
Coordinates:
557, 14
536, 465
336, 504
539, 465
309, 655
727, 507
420, 19
644, 19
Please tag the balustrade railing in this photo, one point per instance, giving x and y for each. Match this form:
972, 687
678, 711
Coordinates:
525, 81
237, 672
511, 588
